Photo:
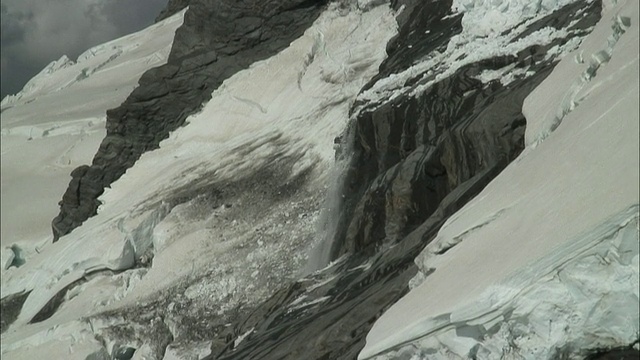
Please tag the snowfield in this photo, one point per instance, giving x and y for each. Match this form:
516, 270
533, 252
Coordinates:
544, 261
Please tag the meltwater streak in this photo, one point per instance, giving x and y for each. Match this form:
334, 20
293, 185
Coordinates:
327, 227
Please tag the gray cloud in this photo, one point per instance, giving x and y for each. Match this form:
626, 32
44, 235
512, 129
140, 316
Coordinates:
13, 24
36, 32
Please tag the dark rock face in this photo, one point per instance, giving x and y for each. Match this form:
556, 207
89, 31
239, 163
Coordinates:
411, 152
413, 42
416, 161
218, 39
124, 353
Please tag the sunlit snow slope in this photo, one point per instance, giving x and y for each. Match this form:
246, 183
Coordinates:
221, 213
543, 263
57, 121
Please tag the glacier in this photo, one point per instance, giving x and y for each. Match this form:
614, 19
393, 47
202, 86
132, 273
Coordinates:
389, 180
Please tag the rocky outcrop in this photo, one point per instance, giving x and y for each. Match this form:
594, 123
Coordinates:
622, 353
411, 152
218, 39
416, 161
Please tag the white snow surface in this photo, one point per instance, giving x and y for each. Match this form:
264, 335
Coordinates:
483, 18
290, 106
56, 124
545, 258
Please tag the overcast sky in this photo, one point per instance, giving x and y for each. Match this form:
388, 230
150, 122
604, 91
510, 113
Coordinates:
36, 32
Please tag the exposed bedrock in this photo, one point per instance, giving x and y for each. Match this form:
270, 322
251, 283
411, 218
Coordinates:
416, 161
10, 307
621, 353
327, 315
218, 39
410, 152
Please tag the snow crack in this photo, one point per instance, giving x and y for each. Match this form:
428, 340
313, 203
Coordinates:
318, 43
571, 100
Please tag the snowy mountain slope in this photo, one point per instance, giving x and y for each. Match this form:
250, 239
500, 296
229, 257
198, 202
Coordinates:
80, 88
218, 39
242, 182
57, 122
440, 122
200, 248
544, 261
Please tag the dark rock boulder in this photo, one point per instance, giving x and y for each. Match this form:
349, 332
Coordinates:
218, 39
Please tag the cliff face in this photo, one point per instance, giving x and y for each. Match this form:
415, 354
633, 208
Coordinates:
218, 39
173, 6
